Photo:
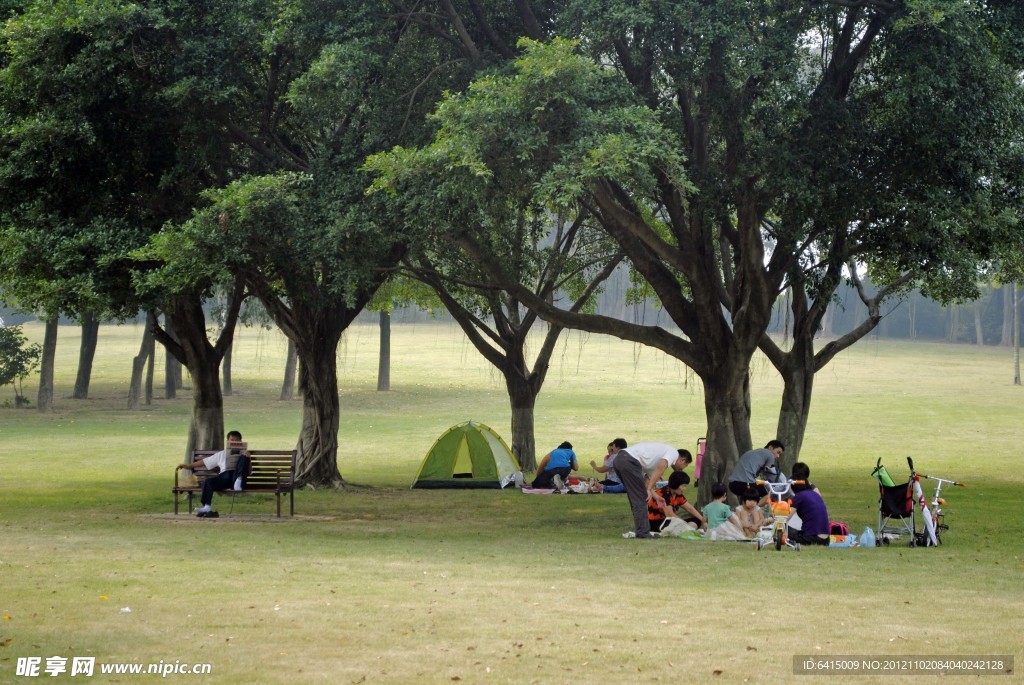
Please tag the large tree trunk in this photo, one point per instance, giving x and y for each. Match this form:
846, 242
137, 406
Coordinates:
318, 439
727, 406
523, 399
798, 385
202, 359
44, 401
206, 429
86, 353
798, 366
288, 385
315, 331
384, 363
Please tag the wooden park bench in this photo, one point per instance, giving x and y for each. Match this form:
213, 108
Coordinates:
273, 472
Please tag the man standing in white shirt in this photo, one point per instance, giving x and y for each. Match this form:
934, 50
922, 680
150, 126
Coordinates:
640, 467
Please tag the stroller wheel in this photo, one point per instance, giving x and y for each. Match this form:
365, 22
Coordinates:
884, 541
913, 542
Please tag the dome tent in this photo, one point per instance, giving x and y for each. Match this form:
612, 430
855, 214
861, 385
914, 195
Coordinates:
469, 455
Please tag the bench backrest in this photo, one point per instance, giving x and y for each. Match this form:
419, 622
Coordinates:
266, 464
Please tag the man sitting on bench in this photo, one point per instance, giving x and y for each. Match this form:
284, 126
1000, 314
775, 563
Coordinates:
226, 478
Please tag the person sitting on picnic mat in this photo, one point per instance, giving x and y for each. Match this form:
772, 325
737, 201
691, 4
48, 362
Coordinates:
744, 523
809, 505
611, 483
233, 477
665, 503
717, 512
554, 468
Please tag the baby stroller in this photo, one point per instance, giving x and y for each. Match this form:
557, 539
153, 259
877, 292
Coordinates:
902, 501
896, 511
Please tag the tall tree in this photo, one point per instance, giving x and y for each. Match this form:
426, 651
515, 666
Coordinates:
303, 88
497, 324
742, 99
314, 91
312, 281
553, 256
94, 160
915, 196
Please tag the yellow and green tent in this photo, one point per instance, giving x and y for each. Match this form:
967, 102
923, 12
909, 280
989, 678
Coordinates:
468, 455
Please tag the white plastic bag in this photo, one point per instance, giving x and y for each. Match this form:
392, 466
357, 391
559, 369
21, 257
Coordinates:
867, 538
675, 527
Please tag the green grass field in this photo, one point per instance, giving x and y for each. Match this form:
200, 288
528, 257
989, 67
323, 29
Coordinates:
383, 584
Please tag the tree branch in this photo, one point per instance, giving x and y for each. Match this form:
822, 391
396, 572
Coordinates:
460, 30
653, 336
227, 333
829, 351
493, 38
530, 23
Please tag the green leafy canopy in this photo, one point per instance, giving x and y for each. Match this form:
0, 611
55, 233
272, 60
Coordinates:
541, 131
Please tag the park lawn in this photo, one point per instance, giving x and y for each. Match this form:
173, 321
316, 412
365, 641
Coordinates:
382, 584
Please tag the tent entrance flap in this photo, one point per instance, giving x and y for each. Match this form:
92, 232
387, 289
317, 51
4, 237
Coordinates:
463, 462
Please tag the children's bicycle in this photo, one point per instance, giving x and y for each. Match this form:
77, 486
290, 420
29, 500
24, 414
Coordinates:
931, 512
778, 530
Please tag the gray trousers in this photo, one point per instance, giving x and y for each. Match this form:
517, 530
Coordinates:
632, 476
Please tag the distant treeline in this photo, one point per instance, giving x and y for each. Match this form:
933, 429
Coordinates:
913, 317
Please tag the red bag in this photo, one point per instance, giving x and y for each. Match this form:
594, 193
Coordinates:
838, 528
